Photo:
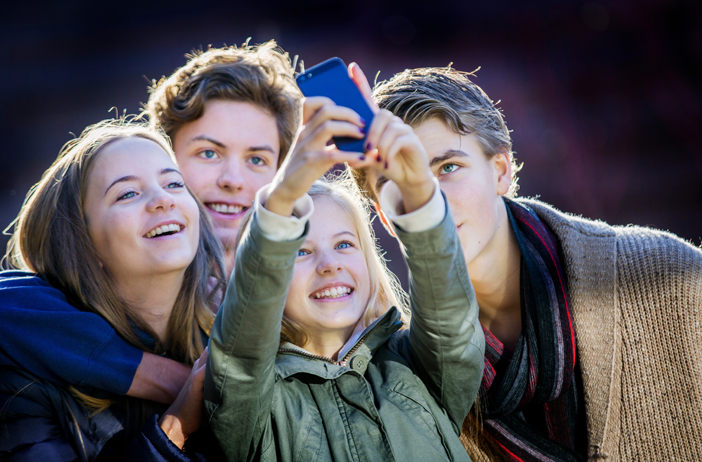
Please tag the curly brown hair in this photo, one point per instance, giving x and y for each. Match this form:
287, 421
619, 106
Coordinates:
261, 75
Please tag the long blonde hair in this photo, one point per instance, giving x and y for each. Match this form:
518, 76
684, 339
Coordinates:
385, 290
51, 239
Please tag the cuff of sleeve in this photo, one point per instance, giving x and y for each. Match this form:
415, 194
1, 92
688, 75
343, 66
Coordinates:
429, 216
117, 362
279, 228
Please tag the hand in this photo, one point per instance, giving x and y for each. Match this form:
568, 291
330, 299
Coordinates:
185, 414
310, 156
399, 154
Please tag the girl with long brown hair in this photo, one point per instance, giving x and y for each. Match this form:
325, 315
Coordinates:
112, 229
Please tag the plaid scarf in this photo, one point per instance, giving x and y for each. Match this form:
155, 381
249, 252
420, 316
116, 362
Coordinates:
529, 399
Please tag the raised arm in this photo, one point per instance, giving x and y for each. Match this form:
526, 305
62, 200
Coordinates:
246, 333
446, 341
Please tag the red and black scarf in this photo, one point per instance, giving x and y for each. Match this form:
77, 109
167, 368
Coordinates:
530, 400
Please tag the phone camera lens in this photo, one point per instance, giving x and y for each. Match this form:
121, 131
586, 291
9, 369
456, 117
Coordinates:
309, 75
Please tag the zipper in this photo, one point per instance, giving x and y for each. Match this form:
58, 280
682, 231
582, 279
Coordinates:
342, 361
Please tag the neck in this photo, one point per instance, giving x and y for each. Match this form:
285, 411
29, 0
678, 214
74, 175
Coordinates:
495, 276
152, 298
328, 343
229, 260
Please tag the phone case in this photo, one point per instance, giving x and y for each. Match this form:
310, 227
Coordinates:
331, 79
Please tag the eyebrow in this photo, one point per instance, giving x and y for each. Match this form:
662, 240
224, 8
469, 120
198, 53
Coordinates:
264, 147
208, 139
136, 178
450, 154
345, 232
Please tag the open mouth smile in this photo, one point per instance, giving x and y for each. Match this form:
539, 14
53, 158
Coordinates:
332, 292
225, 209
164, 230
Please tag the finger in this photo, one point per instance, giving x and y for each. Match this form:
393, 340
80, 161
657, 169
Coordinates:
332, 128
359, 78
313, 104
332, 112
361, 161
398, 144
354, 159
392, 132
381, 120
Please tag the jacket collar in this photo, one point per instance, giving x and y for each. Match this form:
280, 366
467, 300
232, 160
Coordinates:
292, 359
590, 259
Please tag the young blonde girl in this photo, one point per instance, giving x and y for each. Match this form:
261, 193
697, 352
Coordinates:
308, 360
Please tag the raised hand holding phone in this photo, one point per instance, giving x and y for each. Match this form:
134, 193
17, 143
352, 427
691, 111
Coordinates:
311, 157
398, 152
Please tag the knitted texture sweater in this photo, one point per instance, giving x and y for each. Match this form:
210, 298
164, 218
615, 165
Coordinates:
636, 299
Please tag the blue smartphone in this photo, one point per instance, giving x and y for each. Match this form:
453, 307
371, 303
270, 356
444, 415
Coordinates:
331, 79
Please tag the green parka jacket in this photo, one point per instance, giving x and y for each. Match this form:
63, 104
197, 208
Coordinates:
399, 395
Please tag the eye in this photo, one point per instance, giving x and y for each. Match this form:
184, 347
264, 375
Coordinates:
258, 160
175, 185
448, 168
302, 252
344, 245
127, 195
207, 154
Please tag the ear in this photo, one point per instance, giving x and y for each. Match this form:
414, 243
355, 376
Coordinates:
384, 220
503, 172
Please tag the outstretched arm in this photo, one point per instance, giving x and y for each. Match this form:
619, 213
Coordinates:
445, 338
246, 332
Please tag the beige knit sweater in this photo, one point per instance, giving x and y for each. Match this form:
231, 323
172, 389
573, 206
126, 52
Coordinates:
636, 298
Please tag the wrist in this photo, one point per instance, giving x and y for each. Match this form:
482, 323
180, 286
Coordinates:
173, 429
279, 202
417, 195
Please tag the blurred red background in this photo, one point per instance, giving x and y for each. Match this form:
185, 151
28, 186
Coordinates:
604, 98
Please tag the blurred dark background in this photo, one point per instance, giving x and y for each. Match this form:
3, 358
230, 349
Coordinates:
604, 98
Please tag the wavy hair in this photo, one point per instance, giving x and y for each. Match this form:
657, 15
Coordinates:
261, 75
51, 239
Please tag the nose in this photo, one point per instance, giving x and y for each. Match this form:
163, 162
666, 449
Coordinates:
328, 263
231, 178
160, 200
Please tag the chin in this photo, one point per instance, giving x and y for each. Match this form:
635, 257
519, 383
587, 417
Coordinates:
227, 237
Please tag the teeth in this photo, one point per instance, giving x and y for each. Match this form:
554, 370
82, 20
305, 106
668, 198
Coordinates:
163, 229
334, 292
224, 208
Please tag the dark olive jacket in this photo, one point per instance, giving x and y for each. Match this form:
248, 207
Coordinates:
400, 395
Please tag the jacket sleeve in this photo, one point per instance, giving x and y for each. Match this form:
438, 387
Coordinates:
44, 334
244, 341
446, 339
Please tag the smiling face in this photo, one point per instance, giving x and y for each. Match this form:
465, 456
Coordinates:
330, 288
142, 220
226, 156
